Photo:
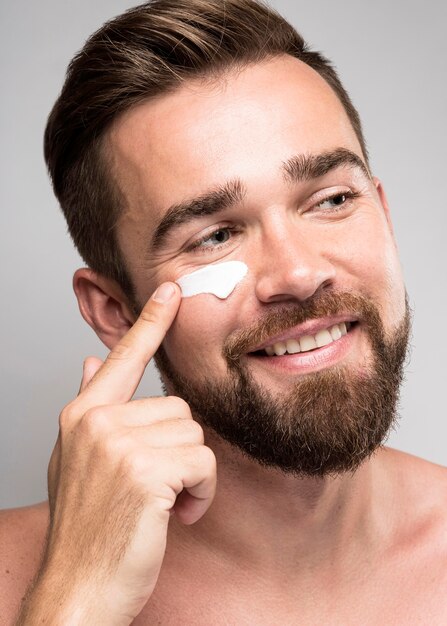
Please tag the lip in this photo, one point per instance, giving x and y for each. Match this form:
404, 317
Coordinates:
307, 362
307, 328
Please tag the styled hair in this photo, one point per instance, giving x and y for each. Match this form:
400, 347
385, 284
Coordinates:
147, 51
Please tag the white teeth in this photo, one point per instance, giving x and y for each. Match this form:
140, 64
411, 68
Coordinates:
293, 346
309, 342
323, 337
280, 348
335, 332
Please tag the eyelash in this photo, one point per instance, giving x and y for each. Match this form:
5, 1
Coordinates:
349, 195
196, 245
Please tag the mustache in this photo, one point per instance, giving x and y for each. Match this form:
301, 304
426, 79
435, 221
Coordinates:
281, 319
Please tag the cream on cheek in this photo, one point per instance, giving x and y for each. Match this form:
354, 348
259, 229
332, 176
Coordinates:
219, 279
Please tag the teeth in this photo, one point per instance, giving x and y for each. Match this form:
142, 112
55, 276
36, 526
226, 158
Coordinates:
308, 342
335, 332
323, 337
293, 346
280, 348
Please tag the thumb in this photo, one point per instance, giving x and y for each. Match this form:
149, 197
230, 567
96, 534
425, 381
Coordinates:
90, 367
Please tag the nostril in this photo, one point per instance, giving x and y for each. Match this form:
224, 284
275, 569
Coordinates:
296, 278
328, 283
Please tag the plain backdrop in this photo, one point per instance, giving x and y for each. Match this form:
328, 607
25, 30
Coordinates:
391, 57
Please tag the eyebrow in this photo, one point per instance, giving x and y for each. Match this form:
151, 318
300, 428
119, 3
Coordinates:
299, 168
305, 167
208, 203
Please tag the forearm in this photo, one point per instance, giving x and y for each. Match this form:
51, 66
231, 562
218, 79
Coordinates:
52, 602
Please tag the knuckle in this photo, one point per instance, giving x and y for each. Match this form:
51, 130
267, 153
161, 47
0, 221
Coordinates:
149, 316
64, 418
121, 352
180, 407
124, 353
206, 458
67, 417
209, 459
94, 422
194, 429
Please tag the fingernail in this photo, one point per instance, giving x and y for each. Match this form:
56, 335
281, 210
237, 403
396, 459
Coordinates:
164, 293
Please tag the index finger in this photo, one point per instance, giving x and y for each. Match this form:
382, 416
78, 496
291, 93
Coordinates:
117, 379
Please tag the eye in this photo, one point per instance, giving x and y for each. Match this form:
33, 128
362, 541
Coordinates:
213, 240
219, 236
335, 201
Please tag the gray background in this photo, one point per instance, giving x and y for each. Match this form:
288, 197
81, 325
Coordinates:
391, 56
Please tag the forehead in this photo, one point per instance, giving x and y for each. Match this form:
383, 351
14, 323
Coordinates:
242, 125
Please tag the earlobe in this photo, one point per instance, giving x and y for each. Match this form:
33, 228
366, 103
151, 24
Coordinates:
103, 305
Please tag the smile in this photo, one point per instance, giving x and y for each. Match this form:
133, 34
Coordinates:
307, 342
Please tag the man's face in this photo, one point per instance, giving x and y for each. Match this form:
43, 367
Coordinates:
261, 166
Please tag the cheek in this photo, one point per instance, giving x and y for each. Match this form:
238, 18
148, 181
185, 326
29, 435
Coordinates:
373, 258
195, 339
394, 287
207, 308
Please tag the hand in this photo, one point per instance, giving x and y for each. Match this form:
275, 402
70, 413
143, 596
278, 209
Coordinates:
114, 477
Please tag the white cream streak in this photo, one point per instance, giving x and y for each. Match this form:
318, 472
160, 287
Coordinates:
219, 279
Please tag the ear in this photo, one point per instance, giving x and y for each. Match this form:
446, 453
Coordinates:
384, 202
103, 305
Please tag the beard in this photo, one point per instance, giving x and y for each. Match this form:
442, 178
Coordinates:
331, 420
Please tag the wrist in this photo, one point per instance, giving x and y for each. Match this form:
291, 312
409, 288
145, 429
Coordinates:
53, 603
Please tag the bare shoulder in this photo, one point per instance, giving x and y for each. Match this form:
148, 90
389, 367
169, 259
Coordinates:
416, 472
418, 485
22, 538
419, 499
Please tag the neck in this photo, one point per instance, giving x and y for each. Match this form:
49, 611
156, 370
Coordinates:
262, 518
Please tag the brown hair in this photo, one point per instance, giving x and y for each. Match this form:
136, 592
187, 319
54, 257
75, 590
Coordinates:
147, 51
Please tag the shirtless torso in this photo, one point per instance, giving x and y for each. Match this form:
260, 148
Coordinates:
401, 579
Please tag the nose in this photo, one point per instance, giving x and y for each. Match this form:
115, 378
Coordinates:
291, 263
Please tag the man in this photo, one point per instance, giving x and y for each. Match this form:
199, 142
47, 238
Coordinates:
190, 135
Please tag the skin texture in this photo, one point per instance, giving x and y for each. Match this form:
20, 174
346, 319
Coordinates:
363, 548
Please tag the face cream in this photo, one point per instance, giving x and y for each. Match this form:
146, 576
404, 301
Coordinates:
219, 279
